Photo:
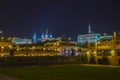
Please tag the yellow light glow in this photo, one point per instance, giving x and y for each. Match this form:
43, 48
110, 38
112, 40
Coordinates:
94, 52
87, 52
2, 47
18, 49
10, 46
112, 51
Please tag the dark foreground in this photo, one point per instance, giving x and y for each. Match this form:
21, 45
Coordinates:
63, 72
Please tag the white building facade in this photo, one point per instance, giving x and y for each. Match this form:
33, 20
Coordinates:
90, 37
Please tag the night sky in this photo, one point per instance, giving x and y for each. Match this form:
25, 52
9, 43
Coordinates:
66, 18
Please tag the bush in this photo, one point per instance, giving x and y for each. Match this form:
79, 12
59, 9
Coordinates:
40, 60
105, 60
92, 60
83, 59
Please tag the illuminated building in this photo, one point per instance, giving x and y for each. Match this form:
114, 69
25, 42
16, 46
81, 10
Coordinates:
47, 36
21, 41
90, 37
106, 52
63, 48
5, 46
106, 37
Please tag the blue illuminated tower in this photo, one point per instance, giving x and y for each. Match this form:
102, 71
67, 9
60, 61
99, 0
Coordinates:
42, 35
34, 37
51, 35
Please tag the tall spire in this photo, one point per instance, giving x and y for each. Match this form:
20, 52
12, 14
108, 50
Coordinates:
46, 31
89, 28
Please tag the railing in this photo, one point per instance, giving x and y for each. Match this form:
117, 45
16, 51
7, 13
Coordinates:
104, 47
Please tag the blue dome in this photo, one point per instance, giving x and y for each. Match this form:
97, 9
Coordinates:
46, 35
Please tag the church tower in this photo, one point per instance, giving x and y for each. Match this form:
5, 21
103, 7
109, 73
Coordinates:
46, 33
89, 28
